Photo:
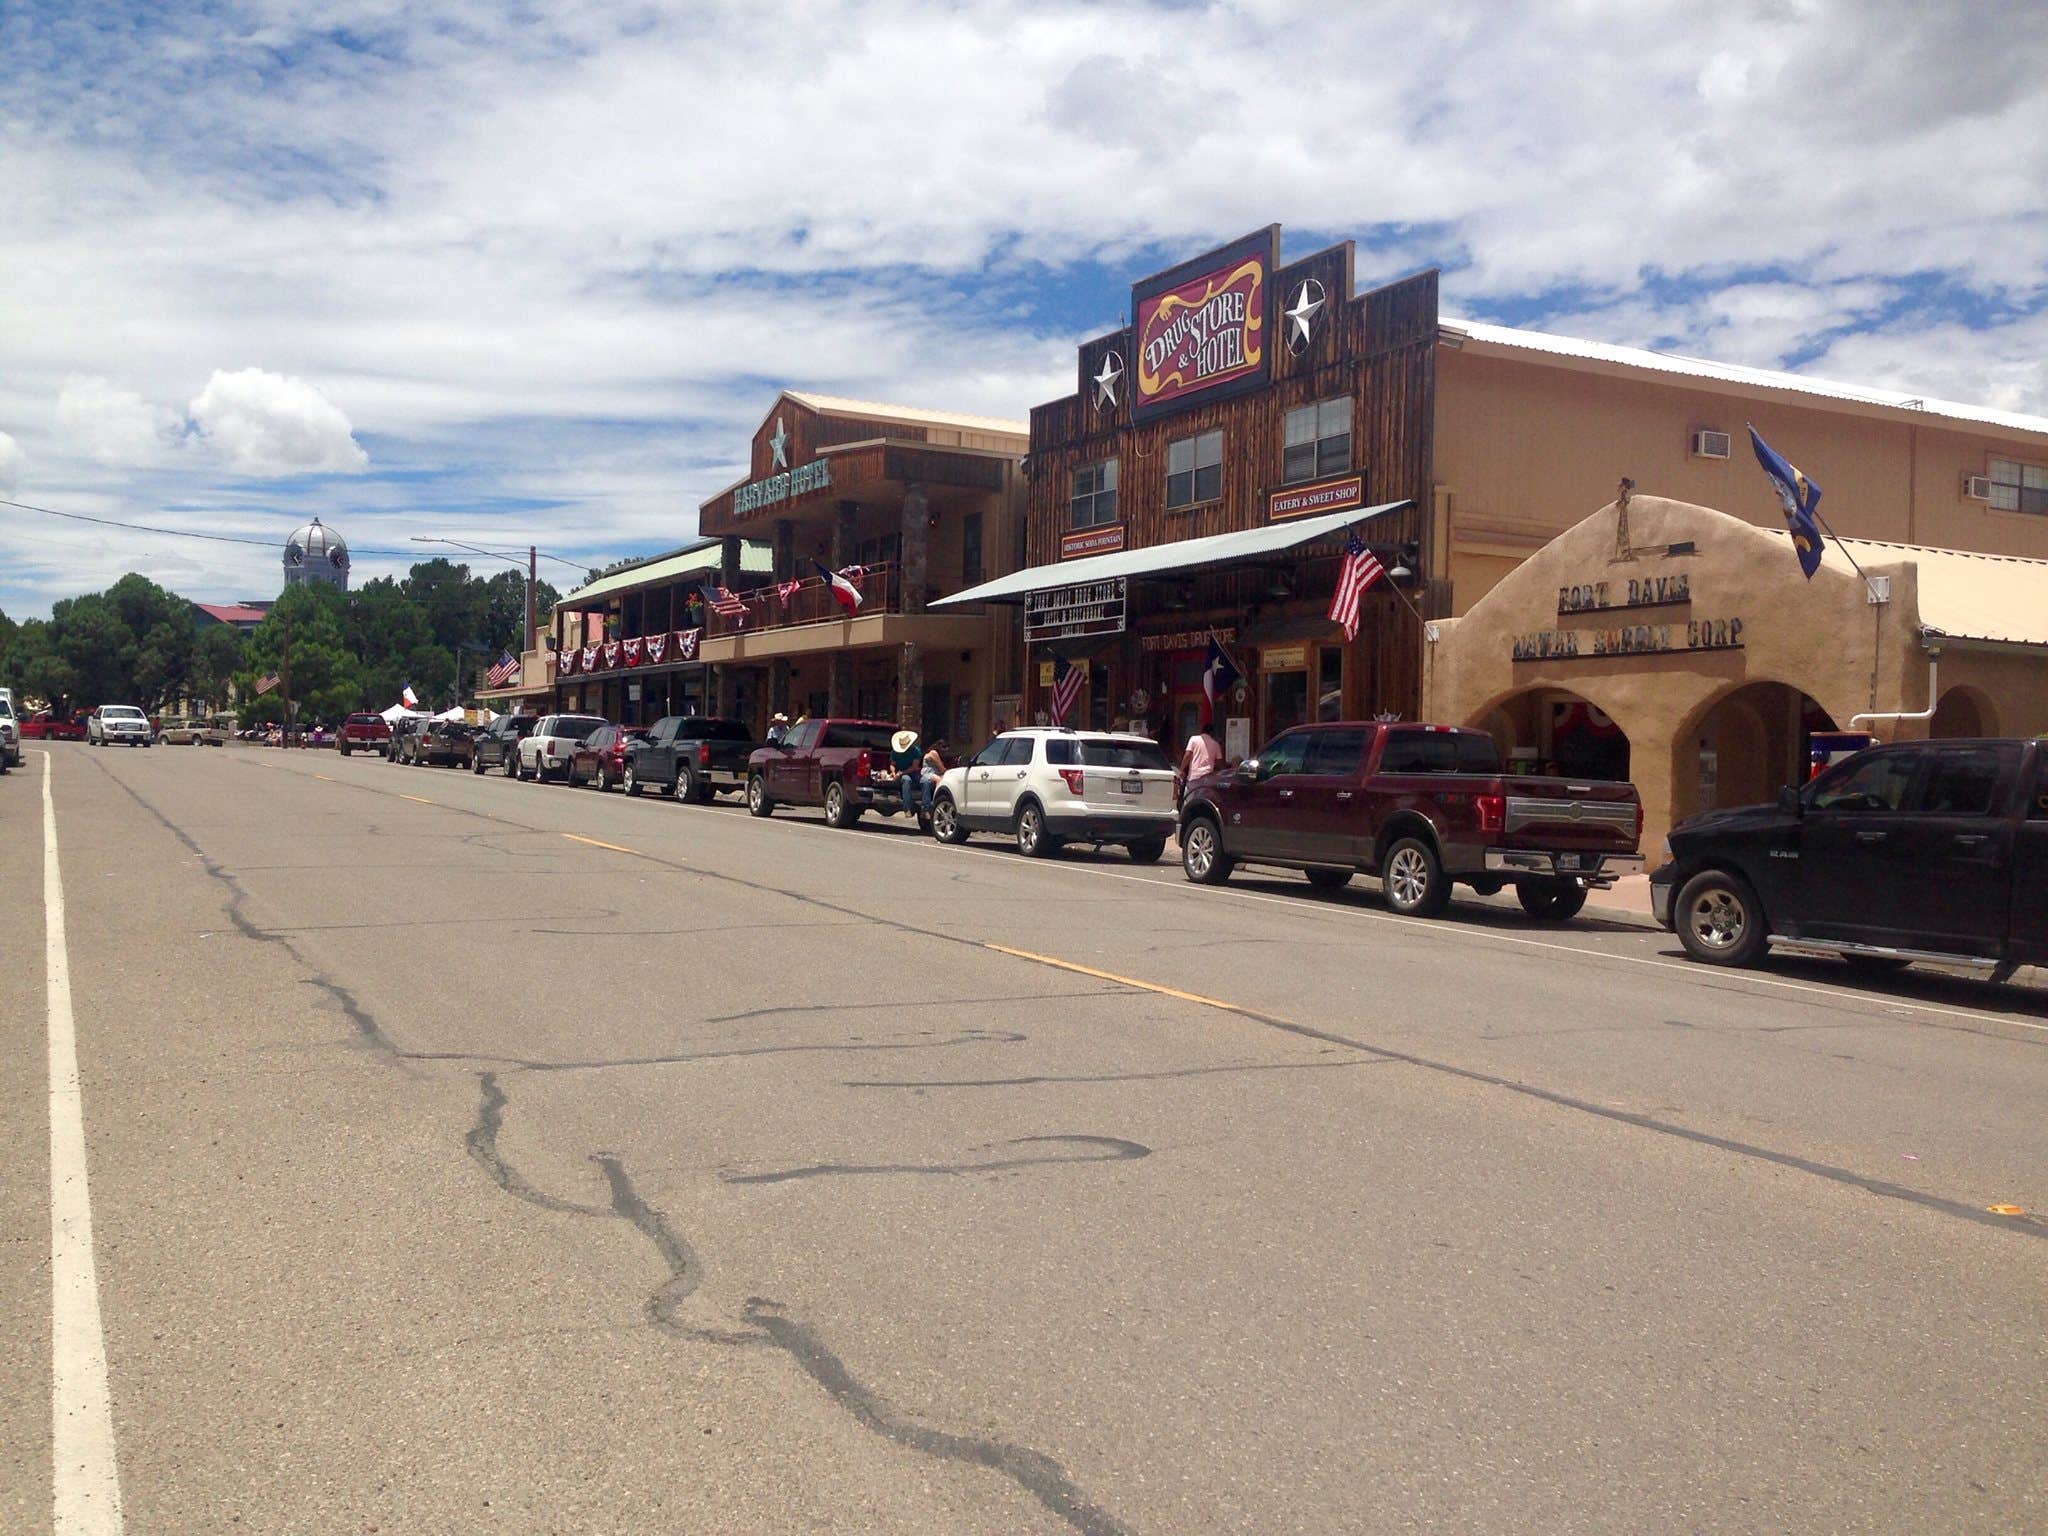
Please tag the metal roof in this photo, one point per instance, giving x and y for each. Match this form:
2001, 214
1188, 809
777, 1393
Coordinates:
2002, 599
1544, 347
1158, 559
835, 405
756, 559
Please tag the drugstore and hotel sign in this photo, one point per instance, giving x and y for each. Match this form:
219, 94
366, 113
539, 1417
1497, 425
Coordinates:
1199, 330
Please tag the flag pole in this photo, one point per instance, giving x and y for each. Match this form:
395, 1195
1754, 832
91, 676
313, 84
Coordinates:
1826, 527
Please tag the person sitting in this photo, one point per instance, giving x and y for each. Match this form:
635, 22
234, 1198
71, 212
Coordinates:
907, 760
777, 729
931, 771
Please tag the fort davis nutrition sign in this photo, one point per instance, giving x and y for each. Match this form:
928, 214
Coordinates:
1199, 329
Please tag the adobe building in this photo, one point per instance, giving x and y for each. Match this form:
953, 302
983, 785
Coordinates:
913, 505
1684, 649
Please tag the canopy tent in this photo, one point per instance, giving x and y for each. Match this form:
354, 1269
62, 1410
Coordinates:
398, 712
1163, 559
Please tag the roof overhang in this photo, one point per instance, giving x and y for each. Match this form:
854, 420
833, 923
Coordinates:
1235, 548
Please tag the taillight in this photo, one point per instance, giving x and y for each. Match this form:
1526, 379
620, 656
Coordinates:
1639, 821
1073, 776
860, 766
704, 754
1493, 812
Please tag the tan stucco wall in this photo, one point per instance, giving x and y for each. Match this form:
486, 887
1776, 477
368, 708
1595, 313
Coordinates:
1522, 448
1822, 638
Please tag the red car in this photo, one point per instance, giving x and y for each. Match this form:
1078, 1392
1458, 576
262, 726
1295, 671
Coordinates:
365, 732
600, 757
44, 726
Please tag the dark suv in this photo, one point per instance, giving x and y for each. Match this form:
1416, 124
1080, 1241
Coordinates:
497, 744
443, 742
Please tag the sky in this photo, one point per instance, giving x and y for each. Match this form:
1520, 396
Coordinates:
531, 272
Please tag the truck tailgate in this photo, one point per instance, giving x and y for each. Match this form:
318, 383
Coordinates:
1578, 815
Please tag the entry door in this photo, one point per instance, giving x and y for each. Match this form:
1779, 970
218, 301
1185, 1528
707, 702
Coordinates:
1856, 880
1960, 849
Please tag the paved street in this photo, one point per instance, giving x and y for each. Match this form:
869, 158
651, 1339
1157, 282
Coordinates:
467, 1155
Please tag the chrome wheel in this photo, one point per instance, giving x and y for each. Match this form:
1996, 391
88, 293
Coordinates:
1719, 920
1407, 876
945, 820
1200, 853
1030, 829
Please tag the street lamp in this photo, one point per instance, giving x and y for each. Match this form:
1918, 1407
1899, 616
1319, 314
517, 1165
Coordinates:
533, 557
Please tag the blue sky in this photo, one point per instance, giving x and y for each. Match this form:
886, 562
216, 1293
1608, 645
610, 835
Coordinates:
512, 273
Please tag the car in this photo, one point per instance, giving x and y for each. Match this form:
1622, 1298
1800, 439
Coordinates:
44, 725
545, 752
691, 757
497, 744
179, 731
1909, 851
1424, 807
445, 743
1050, 786
217, 731
365, 732
841, 765
600, 758
122, 723
10, 733
405, 736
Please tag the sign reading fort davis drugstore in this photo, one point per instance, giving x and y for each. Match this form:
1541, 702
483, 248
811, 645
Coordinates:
773, 490
1061, 613
1199, 330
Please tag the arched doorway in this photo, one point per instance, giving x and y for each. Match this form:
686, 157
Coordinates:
1743, 747
1555, 731
1962, 712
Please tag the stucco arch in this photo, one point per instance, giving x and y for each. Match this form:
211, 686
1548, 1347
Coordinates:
1964, 711
1742, 744
1562, 727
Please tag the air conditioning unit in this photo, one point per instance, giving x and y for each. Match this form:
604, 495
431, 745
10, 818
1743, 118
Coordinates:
1977, 487
1710, 445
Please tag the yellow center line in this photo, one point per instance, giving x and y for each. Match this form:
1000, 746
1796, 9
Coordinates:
615, 848
1127, 981
324, 779
416, 800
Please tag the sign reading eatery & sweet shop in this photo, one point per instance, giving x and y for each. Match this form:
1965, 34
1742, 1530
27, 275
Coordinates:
1199, 330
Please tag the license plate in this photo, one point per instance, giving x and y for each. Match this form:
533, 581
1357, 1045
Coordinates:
1574, 861
1134, 786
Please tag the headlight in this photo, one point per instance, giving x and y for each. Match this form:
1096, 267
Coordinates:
1668, 855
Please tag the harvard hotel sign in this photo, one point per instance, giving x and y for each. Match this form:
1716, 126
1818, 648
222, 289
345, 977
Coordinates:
1199, 330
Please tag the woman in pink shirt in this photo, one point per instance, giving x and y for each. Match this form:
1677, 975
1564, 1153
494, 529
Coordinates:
1204, 754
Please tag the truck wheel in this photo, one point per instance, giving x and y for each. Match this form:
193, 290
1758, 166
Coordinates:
947, 826
1033, 841
476, 765
604, 778
1719, 920
631, 782
1329, 879
687, 788
344, 749
839, 811
758, 803
1554, 900
1414, 880
1202, 858
1148, 850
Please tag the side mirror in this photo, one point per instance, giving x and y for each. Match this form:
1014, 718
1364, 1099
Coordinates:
1248, 770
1791, 801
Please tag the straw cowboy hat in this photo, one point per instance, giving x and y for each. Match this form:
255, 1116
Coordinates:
780, 718
903, 741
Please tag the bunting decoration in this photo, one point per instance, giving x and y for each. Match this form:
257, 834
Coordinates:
565, 663
657, 647
686, 643
631, 650
611, 654
590, 653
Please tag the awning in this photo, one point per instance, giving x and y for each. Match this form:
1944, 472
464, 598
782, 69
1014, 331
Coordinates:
1161, 559
756, 559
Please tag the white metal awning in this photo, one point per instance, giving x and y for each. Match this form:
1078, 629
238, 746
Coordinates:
1159, 559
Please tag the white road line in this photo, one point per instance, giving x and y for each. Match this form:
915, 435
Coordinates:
85, 1484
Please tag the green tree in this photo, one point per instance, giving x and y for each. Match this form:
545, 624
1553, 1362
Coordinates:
39, 671
502, 625
8, 630
216, 658
450, 600
325, 679
159, 624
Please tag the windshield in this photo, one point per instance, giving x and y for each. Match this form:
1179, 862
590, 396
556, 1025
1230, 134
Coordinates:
1105, 753
873, 737
120, 712
6, 710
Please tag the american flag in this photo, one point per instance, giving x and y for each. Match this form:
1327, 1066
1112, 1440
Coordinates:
265, 683
1359, 571
785, 590
1067, 680
506, 671
727, 602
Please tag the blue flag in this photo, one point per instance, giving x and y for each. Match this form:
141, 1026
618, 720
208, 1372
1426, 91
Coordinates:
1799, 496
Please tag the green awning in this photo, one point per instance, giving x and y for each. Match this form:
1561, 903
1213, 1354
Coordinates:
756, 559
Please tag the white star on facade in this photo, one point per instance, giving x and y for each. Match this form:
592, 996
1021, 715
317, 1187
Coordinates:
1308, 302
1106, 381
779, 445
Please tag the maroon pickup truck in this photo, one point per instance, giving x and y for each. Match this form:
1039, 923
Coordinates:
1421, 806
365, 732
842, 765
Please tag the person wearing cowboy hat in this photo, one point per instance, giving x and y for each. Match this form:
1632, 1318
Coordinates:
777, 729
906, 758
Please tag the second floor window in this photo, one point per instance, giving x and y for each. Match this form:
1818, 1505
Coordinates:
970, 548
1194, 470
1094, 499
2018, 487
1318, 441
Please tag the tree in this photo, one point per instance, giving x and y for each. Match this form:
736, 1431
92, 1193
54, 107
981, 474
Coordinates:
216, 658
325, 681
8, 629
160, 626
449, 598
39, 671
502, 625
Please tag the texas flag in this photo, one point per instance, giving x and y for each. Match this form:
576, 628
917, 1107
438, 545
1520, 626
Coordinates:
408, 698
844, 592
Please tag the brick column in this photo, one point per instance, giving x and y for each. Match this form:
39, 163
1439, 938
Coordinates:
910, 687
916, 543
729, 561
785, 549
842, 534
723, 690
778, 686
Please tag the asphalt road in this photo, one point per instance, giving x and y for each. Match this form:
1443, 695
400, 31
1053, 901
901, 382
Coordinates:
474, 1156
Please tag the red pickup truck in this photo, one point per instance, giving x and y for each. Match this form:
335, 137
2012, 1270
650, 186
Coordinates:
365, 732
842, 765
1423, 807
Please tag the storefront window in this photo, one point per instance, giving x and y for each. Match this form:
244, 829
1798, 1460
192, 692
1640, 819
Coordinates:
1194, 469
1286, 700
1318, 440
1330, 685
1094, 497
2019, 487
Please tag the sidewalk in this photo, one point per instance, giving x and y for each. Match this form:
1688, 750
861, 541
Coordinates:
1627, 897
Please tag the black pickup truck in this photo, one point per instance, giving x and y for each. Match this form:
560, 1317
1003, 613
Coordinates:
1929, 850
691, 757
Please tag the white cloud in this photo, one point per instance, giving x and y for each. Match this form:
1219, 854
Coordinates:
112, 425
12, 461
267, 424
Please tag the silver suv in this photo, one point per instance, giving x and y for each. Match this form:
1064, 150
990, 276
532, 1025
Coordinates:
1048, 786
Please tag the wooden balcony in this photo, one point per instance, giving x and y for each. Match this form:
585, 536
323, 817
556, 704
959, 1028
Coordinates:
881, 590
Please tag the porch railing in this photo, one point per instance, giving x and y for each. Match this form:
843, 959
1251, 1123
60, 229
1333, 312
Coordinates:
881, 591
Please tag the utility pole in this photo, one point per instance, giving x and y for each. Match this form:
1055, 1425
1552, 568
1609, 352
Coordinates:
532, 580
284, 678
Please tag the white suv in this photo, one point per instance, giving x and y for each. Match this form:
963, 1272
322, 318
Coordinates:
117, 722
545, 754
1048, 786
10, 733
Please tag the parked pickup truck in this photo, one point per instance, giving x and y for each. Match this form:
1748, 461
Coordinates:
842, 765
365, 733
1929, 850
1423, 807
691, 757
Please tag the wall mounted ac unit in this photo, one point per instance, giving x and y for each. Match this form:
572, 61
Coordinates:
1710, 445
1977, 487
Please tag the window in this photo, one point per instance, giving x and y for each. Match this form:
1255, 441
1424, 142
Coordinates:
873, 738
1330, 684
1284, 754
1059, 752
1876, 781
801, 734
886, 550
1318, 440
1194, 470
2017, 487
1337, 753
1124, 754
1414, 751
1017, 751
1094, 498
970, 548
1968, 781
